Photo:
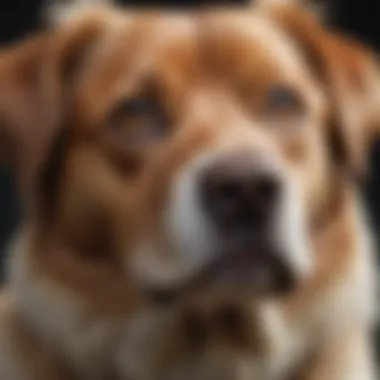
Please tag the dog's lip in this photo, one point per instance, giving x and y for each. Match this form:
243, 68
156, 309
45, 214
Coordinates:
248, 260
241, 259
236, 267
238, 251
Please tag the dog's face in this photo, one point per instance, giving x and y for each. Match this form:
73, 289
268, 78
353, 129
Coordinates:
189, 147
229, 197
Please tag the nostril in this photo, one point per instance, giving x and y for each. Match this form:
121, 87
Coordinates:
228, 191
266, 189
222, 195
225, 199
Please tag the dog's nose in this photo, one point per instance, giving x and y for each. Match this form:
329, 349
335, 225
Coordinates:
239, 191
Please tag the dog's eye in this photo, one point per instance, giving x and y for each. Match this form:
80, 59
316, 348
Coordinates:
282, 99
137, 121
284, 111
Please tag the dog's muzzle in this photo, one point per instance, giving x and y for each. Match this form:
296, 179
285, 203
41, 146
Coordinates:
241, 195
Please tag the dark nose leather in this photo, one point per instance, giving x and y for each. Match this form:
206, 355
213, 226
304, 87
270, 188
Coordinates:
239, 191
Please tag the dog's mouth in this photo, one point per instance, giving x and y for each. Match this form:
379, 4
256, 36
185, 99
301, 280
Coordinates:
248, 263
251, 262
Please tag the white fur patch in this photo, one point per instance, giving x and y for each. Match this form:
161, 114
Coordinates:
291, 231
59, 318
348, 304
191, 236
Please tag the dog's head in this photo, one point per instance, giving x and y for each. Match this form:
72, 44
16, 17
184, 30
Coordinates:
188, 146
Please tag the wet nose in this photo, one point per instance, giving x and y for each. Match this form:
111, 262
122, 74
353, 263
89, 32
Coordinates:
239, 191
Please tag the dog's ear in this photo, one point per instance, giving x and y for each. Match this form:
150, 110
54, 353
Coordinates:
35, 77
318, 8
350, 79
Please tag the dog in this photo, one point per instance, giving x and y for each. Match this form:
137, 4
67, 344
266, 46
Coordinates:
166, 153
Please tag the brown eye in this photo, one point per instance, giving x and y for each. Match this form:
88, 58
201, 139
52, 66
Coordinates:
283, 100
137, 121
284, 111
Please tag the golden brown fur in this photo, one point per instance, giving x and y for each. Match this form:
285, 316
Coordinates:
97, 182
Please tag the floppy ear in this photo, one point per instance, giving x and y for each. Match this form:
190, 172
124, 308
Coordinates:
34, 86
348, 74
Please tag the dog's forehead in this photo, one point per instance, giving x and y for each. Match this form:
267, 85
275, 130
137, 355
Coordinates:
254, 44
148, 38
183, 50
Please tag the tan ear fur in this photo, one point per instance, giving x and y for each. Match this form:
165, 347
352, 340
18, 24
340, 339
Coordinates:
347, 71
34, 80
